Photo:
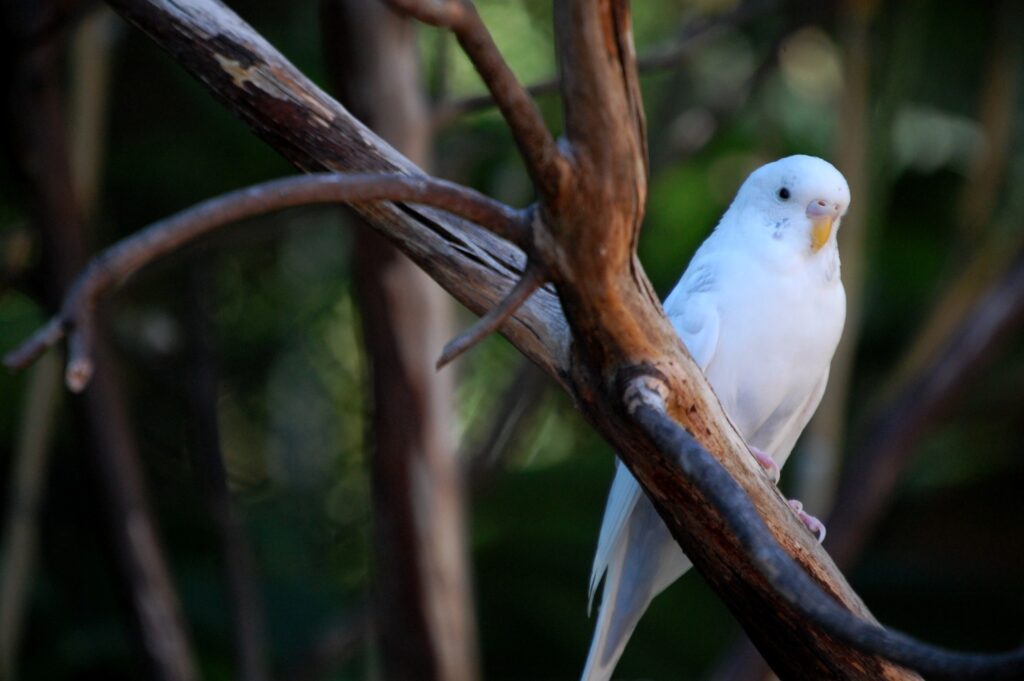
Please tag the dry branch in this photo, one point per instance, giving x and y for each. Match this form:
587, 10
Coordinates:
545, 163
127, 257
495, 317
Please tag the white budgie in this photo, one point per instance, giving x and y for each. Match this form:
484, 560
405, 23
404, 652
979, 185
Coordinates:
761, 308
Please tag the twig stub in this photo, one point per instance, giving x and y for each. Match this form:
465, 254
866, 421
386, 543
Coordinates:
531, 280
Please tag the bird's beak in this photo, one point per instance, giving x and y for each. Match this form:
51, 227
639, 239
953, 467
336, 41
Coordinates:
822, 216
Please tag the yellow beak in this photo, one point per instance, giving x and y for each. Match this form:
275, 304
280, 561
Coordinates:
822, 216
821, 230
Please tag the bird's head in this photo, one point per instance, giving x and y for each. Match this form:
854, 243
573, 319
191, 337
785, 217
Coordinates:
797, 201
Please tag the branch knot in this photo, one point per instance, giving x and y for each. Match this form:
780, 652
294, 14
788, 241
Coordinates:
645, 390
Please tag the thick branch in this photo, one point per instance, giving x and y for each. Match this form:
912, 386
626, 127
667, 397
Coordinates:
786, 579
544, 161
127, 257
289, 112
604, 119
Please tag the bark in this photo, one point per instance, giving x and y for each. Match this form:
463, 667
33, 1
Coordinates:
422, 607
609, 301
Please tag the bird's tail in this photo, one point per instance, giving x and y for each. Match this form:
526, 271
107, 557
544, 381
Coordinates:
614, 624
642, 563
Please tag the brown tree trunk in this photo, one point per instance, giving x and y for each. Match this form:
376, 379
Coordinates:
422, 610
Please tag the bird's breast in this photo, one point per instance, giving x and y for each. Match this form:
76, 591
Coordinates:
777, 336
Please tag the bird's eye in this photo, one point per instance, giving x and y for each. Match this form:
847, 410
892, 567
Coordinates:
784, 194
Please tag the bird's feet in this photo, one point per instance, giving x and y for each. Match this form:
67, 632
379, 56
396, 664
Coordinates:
767, 463
816, 527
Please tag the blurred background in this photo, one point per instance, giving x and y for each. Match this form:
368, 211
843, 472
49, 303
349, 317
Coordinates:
244, 385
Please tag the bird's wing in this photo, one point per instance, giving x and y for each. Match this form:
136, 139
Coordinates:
692, 308
786, 438
697, 323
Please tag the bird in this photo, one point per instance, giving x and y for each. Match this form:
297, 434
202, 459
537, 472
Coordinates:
760, 308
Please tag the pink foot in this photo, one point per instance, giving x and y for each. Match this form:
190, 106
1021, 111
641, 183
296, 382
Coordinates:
813, 524
767, 463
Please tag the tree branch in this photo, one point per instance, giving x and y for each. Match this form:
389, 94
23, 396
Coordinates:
127, 257
691, 37
545, 163
495, 317
787, 580
284, 108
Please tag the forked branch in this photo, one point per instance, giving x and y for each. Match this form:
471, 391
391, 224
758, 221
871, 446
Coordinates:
125, 258
692, 37
540, 152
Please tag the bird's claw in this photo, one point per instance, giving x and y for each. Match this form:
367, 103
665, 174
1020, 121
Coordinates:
816, 527
767, 463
